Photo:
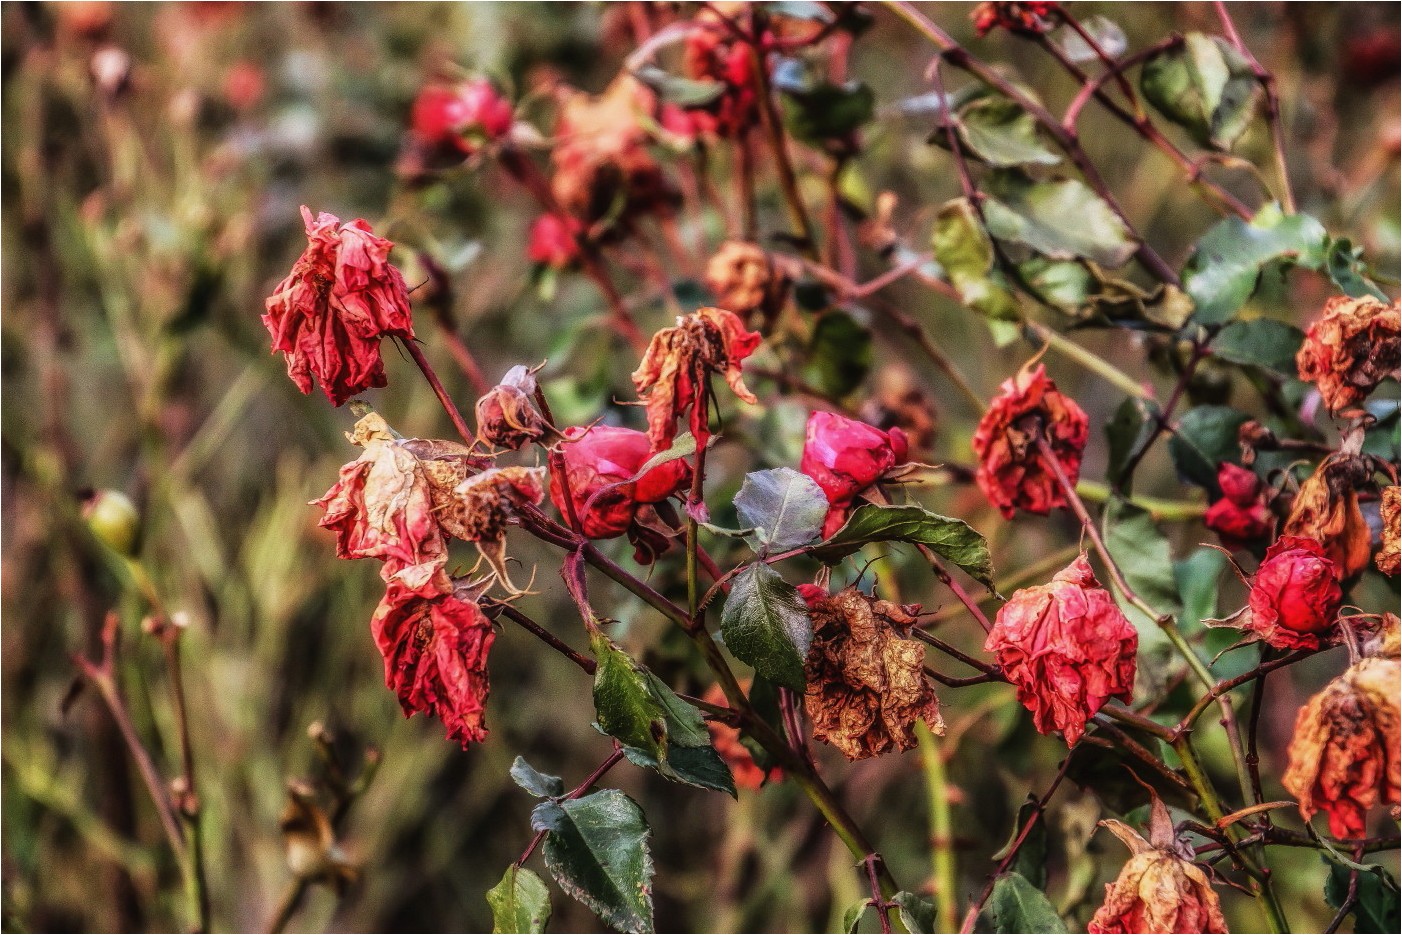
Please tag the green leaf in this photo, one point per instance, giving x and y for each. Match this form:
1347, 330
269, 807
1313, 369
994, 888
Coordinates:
1261, 342
1377, 907
1128, 430
765, 624
536, 783
1060, 218
1031, 860
520, 902
951, 539
784, 507
917, 914
1002, 134
1206, 436
962, 247
839, 354
674, 89
1349, 272
1205, 86
596, 848
1225, 268
1015, 905
1143, 554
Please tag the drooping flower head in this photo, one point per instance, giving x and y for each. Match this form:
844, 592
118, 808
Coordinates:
1352, 348
846, 457
1011, 471
1389, 558
507, 416
460, 118
1160, 889
866, 676
601, 463
1067, 648
674, 374
342, 297
1326, 510
1241, 516
1029, 19
1295, 594
1344, 756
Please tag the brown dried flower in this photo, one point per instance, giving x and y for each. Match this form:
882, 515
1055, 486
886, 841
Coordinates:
507, 416
1390, 509
1344, 755
1352, 348
866, 679
1326, 510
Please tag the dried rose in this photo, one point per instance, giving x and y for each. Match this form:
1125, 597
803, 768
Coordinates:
485, 504
846, 457
507, 416
1352, 348
1160, 889
1067, 648
726, 739
600, 467
435, 648
1344, 757
460, 118
866, 677
328, 316
674, 375
1295, 594
553, 241
1390, 509
1028, 19
1326, 510
1011, 471
744, 278
1241, 516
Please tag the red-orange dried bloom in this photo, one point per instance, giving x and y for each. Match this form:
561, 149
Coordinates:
328, 316
435, 642
1241, 516
1067, 648
726, 739
1390, 510
1029, 19
1160, 889
1352, 348
1295, 594
678, 363
1326, 510
1011, 471
1344, 757
846, 457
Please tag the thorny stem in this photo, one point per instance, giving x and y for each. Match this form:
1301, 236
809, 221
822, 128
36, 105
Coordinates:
1267, 80
589, 782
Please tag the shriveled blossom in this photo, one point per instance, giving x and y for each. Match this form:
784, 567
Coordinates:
1011, 471
846, 457
1352, 348
552, 241
461, 117
330, 313
600, 463
866, 676
726, 739
743, 278
435, 642
1067, 648
1241, 516
1326, 510
1028, 19
1160, 889
1390, 509
1295, 595
673, 376
1344, 756
485, 504
507, 415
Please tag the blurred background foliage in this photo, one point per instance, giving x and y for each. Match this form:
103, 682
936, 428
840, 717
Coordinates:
154, 158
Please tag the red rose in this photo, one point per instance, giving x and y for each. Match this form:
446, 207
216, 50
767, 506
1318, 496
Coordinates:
1067, 649
462, 117
552, 241
600, 462
1295, 595
1011, 472
846, 457
328, 316
435, 651
1241, 516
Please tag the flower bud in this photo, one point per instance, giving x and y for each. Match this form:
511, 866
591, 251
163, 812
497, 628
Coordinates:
1295, 595
1390, 508
1241, 516
1067, 648
1352, 348
113, 519
1344, 754
1011, 471
846, 457
1326, 510
507, 416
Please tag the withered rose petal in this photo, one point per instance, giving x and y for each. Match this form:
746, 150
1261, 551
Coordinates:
1326, 510
1295, 594
1067, 649
435, 652
866, 681
846, 457
1010, 470
1159, 892
329, 315
1391, 512
1344, 756
1352, 348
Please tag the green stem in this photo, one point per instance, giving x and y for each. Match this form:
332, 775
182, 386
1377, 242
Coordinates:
941, 831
